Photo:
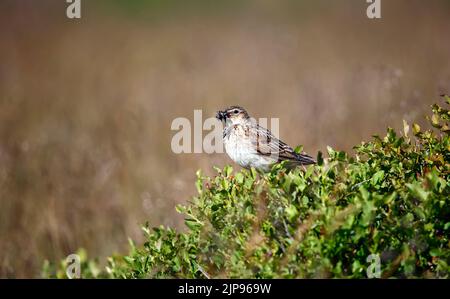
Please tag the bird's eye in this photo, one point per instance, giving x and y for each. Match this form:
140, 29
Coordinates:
236, 111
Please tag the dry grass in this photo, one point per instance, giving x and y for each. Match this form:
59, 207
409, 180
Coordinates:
86, 107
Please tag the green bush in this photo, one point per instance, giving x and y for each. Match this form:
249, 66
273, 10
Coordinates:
390, 200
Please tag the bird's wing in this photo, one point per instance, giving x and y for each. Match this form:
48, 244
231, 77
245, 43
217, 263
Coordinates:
267, 144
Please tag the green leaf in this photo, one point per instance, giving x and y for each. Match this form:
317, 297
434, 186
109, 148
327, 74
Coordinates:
418, 191
299, 149
416, 129
291, 212
239, 178
377, 177
228, 170
330, 151
447, 226
309, 171
193, 224
435, 252
405, 128
364, 193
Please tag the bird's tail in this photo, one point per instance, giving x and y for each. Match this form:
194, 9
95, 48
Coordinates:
304, 159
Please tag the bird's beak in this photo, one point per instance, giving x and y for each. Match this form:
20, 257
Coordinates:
221, 115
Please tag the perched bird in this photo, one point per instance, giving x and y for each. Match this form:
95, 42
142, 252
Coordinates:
250, 145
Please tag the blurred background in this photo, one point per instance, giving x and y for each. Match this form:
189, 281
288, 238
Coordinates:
86, 105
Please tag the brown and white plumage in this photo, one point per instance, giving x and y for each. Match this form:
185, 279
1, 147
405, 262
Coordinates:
250, 145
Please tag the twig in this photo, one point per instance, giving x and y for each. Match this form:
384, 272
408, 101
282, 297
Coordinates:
359, 184
203, 272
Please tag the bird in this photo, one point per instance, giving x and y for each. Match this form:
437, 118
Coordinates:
252, 146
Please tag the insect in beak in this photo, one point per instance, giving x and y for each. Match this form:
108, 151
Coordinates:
221, 115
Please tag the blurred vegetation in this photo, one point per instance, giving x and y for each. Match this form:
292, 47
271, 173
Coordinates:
156, 8
392, 199
86, 105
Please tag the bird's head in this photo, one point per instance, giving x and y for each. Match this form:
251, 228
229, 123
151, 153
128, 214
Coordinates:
233, 115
